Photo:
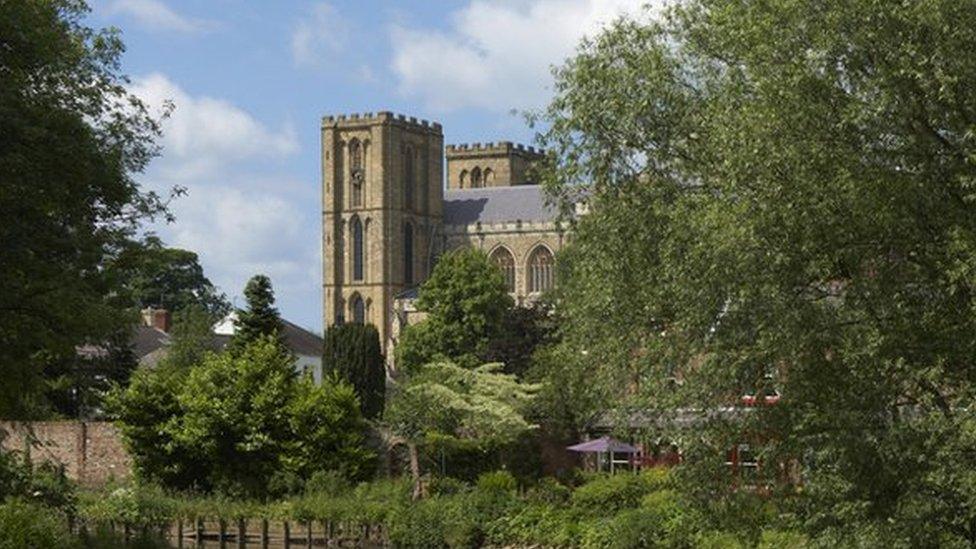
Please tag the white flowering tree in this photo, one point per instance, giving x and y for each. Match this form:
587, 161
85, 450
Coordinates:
445, 401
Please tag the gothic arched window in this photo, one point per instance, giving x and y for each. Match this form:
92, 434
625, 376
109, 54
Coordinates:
540, 270
356, 172
408, 180
506, 262
463, 179
407, 253
476, 178
357, 249
358, 308
488, 176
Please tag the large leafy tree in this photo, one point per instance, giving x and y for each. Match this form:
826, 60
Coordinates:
71, 138
466, 301
154, 275
353, 352
781, 192
239, 422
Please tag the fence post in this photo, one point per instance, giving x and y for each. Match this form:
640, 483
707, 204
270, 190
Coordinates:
287, 533
223, 533
241, 534
199, 534
308, 534
179, 533
264, 533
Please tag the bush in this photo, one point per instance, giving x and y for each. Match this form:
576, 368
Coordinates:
550, 491
24, 524
609, 493
497, 482
535, 524
331, 483
776, 539
134, 506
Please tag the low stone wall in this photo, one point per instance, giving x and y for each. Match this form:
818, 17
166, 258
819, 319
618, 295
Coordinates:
90, 452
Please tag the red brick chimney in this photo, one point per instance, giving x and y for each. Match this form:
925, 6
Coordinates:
157, 318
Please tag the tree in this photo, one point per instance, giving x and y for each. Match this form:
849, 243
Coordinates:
239, 420
442, 401
466, 301
780, 196
191, 337
71, 138
353, 352
260, 318
169, 278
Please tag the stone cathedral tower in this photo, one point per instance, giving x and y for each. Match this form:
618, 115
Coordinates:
382, 199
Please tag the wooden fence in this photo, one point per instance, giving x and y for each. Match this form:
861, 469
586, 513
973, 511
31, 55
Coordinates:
263, 533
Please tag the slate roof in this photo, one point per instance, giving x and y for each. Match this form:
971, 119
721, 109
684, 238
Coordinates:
496, 205
298, 340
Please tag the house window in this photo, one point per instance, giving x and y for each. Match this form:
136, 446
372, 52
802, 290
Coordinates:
540, 270
504, 260
407, 254
357, 249
358, 310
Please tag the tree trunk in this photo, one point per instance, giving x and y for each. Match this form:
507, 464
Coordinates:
418, 489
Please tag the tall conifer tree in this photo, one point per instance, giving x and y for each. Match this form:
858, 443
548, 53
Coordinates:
353, 352
260, 318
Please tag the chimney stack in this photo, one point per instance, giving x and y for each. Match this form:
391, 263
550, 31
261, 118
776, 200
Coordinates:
157, 318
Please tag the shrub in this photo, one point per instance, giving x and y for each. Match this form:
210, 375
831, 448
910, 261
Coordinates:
443, 486
550, 491
24, 524
331, 483
718, 540
535, 524
137, 507
609, 493
501, 482
776, 539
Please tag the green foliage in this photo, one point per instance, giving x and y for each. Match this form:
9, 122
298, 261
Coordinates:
237, 421
448, 401
43, 484
190, 339
71, 138
260, 319
607, 493
138, 507
780, 196
24, 524
353, 352
466, 301
497, 482
169, 278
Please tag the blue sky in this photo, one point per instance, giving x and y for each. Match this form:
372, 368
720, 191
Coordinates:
250, 82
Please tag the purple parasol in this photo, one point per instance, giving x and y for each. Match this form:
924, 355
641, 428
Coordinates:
603, 444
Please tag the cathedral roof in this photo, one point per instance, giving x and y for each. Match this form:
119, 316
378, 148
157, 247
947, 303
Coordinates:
496, 205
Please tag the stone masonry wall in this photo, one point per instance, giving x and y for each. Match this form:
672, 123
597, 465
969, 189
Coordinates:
90, 452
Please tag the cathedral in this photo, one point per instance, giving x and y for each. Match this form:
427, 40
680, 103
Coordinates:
388, 211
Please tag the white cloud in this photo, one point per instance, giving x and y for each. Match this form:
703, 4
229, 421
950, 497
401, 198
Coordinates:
497, 54
246, 211
156, 15
204, 134
319, 35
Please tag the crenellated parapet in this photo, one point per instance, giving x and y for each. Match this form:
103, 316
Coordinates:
382, 117
500, 148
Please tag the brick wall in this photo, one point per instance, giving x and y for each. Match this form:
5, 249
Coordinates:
91, 452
